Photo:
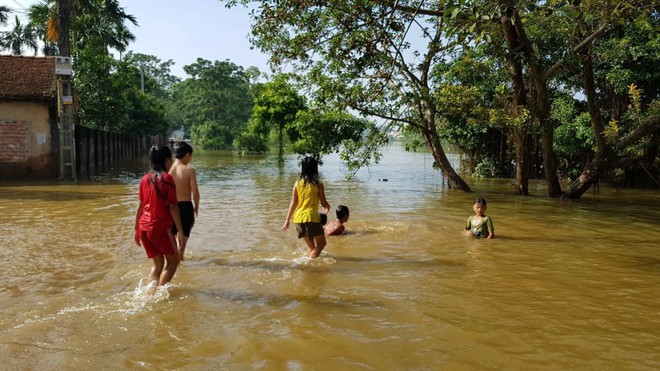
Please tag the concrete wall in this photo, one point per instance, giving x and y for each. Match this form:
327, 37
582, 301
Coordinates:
29, 144
98, 151
28, 141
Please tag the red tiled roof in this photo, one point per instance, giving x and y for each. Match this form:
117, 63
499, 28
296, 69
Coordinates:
27, 78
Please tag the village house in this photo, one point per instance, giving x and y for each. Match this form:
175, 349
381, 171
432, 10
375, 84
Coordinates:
28, 117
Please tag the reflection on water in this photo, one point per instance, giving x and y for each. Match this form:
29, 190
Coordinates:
565, 284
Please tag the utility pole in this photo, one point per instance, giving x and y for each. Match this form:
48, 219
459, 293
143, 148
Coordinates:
64, 73
65, 113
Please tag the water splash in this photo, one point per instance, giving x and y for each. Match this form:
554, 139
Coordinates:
142, 299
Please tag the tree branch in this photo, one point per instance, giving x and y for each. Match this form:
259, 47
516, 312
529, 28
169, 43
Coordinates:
601, 30
648, 127
419, 10
384, 116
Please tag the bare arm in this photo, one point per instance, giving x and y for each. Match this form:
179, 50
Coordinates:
138, 214
176, 216
292, 207
324, 202
194, 189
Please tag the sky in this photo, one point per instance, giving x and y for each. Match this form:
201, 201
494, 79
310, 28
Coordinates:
168, 29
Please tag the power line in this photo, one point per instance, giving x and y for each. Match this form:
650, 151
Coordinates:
19, 4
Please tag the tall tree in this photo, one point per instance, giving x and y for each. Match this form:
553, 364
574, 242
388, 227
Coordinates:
102, 22
533, 66
216, 101
357, 140
470, 92
4, 14
60, 30
39, 14
275, 107
156, 74
18, 37
359, 54
628, 51
89, 21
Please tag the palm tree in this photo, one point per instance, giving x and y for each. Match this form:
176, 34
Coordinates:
94, 22
39, 14
4, 15
20, 36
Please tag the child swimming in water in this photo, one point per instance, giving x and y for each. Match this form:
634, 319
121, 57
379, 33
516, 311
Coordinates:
336, 227
479, 225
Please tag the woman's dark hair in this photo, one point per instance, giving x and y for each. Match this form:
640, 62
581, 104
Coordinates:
480, 201
157, 157
341, 211
309, 170
181, 149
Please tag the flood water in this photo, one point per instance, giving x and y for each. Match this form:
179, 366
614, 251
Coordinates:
565, 285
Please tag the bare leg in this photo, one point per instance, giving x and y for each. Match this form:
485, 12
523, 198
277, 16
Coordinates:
320, 244
310, 246
170, 268
182, 248
156, 270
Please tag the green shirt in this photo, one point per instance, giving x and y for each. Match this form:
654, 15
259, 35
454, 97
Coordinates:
479, 228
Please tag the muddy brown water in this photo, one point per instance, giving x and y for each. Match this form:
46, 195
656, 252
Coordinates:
565, 285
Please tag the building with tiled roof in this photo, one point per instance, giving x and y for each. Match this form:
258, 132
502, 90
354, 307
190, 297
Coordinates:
27, 78
28, 117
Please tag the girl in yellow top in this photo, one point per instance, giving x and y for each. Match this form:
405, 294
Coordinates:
307, 193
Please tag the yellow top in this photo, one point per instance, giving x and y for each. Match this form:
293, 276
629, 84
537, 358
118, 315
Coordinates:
308, 203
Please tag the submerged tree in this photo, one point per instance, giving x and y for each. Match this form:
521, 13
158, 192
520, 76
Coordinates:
216, 101
358, 54
357, 140
365, 54
275, 108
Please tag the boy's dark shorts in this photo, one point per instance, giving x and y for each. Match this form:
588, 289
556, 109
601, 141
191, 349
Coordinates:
187, 213
309, 230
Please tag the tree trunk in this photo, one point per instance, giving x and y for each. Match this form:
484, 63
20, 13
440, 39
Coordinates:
521, 153
549, 162
588, 177
541, 109
593, 171
519, 100
64, 42
453, 179
432, 139
280, 140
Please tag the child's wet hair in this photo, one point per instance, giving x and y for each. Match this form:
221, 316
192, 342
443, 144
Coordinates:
181, 149
309, 170
480, 201
342, 211
157, 156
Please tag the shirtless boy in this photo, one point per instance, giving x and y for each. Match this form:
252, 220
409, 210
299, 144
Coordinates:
336, 227
185, 179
